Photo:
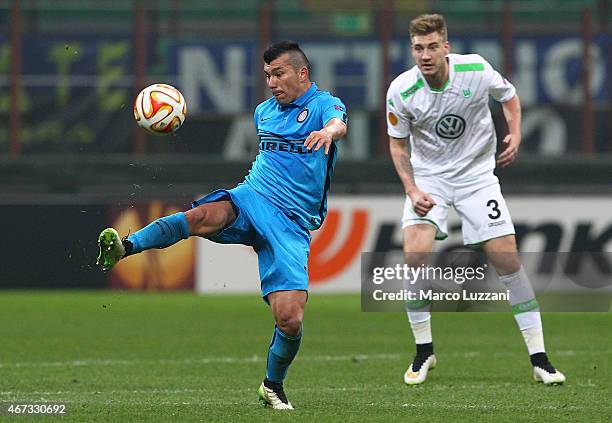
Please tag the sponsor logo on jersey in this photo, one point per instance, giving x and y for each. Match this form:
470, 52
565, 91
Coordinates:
392, 118
284, 146
450, 126
410, 91
302, 116
339, 108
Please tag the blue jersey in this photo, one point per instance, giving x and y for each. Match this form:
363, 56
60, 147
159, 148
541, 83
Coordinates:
285, 172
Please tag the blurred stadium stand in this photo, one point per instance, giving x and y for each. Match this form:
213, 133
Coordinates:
82, 61
72, 159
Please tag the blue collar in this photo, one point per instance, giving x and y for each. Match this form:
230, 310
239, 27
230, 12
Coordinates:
301, 100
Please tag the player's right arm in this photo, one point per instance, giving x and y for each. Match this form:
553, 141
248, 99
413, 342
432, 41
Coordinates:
398, 128
400, 154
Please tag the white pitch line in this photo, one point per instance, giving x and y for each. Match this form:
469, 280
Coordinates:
197, 391
434, 386
259, 359
518, 407
204, 360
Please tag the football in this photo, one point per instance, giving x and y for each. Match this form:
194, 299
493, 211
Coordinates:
160, 109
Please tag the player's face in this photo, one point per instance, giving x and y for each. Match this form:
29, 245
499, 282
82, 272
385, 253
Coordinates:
284, 80
429, 52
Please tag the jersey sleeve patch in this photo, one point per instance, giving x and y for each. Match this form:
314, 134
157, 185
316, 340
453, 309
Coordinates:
393, 120
398, 125
334, 108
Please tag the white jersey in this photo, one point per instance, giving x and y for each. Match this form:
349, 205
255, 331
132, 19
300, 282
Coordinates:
451, 131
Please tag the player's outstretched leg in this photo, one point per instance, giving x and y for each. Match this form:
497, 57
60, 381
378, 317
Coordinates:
161, 233
204, 220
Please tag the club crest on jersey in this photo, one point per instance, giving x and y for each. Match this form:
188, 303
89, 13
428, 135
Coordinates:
302, 116
450, 126
466, 92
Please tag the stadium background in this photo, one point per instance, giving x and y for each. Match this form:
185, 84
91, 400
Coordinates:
72, 160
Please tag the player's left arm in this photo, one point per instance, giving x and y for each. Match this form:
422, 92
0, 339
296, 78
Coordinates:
503, 91
335, 129
512, 141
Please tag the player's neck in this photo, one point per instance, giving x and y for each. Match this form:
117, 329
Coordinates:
440, 79
303, 89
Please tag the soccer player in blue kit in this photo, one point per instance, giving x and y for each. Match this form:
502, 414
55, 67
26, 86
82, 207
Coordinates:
283, 197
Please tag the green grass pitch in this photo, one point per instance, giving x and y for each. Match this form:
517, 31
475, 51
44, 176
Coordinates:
113, 356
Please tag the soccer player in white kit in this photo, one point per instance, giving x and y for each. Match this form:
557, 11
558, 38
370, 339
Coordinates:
441, 107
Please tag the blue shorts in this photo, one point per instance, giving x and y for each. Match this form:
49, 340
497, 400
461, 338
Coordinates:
281, 244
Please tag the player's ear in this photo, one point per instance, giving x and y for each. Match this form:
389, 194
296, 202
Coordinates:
304, 74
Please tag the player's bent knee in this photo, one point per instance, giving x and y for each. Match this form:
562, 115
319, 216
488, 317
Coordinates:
291, 327
503, 255
290, 323
208, 219
196, 218
505, 263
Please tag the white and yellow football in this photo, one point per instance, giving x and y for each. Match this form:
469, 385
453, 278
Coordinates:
160, 109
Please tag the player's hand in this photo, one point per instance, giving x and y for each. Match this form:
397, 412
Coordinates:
511, 147
422, 202
318, 139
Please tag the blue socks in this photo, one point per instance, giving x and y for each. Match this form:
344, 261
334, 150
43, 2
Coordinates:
282, 350
161, 233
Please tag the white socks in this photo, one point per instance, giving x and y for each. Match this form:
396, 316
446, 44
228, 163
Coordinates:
525, 309
534, 338
522, 300
419, 315
420, 322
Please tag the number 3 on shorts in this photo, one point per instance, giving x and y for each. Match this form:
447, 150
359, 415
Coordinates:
495, 211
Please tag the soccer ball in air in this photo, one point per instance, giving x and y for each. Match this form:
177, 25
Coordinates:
160, 109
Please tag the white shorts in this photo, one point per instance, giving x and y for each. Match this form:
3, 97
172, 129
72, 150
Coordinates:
481, 207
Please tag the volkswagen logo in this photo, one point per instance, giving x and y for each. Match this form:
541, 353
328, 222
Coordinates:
450, 126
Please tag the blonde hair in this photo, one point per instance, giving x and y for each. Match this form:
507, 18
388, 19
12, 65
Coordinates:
426, 24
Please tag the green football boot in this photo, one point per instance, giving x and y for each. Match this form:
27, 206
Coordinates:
111, 249
272, 395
